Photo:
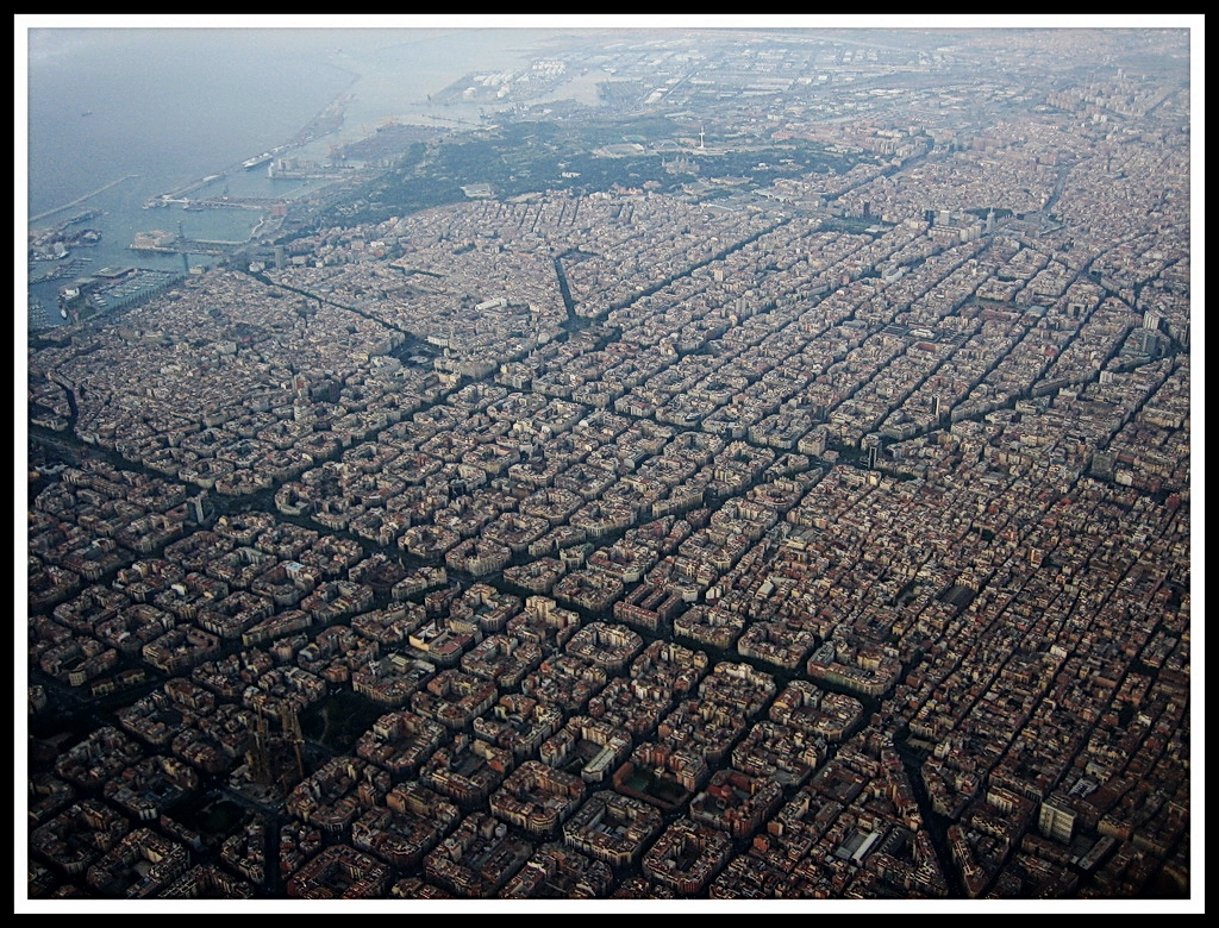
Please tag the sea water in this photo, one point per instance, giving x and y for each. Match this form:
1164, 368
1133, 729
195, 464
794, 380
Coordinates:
172, 106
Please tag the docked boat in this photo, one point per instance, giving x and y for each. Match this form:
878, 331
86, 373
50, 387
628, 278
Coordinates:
251, 163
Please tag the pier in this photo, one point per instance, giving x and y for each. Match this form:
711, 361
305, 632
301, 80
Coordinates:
81, 199
189, 246
178, 198
256, 204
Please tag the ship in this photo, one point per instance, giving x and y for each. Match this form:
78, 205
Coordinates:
254, 162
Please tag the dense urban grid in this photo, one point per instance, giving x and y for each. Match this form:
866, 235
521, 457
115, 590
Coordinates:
792, 502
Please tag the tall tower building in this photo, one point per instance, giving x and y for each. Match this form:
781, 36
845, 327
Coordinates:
1056, 819
292, 732
259, 756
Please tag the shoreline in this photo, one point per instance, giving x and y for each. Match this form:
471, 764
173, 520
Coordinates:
362, 73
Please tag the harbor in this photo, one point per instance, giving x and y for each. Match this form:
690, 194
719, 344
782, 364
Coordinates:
234, 203
326, 122
112, 290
